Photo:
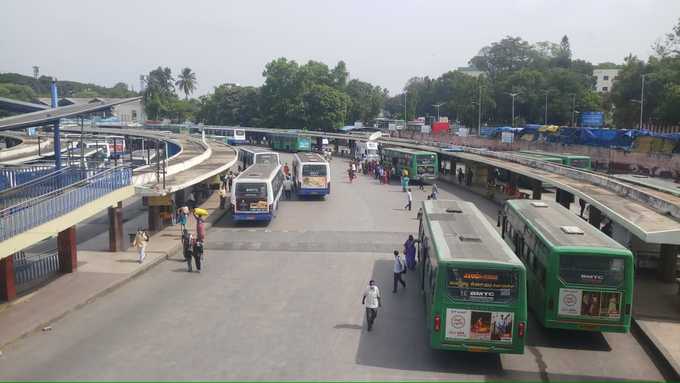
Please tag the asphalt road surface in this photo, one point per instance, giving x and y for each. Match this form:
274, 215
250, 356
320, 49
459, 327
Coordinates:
283, 301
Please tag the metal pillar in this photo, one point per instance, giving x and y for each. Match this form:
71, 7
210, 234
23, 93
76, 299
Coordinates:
116, 227
595, 216
57, 132
68, 250
536, 190
667, 263
8, 289
564, 198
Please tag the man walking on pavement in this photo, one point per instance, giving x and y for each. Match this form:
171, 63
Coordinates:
409, 197
288, 187
372, 301
399, 268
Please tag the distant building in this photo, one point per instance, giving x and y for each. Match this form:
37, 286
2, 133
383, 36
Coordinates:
604, 79
470, 71
128, 112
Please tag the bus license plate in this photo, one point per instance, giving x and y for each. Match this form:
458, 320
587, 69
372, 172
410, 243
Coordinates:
587, 326
478, 349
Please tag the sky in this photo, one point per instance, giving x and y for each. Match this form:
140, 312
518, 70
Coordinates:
384, 42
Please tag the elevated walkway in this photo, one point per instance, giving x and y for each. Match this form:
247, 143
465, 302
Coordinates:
28, 149
36, 218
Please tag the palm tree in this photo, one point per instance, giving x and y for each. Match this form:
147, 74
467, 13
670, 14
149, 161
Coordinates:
186, 82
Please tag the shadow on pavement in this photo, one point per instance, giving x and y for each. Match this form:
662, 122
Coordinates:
398, 339
540, 336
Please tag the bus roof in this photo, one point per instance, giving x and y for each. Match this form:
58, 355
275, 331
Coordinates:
410, 151
461, 232
559, 226
256, 149
259, 171
309, 157
290, 134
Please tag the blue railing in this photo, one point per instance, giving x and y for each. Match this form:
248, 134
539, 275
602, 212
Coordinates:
15, 176
33, 212
55, 180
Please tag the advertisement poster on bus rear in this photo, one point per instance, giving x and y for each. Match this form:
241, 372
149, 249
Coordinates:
479, 325
586, 303
314, 182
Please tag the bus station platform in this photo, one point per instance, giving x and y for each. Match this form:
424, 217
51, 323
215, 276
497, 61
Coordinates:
26, 150
643, 221
98, 273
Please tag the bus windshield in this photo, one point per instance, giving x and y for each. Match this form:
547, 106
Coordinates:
251, 190
269, 158
482, 285
591, 270
425, 160
314, 170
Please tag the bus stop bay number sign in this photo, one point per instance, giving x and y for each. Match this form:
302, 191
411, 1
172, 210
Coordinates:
479, 325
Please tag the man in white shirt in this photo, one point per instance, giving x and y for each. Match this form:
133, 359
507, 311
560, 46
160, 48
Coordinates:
399, 268
372, 301
409, 196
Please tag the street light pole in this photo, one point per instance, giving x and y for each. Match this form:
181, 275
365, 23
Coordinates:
546, 109
642, 100
479, 107
573, 110
437, 106
513, 95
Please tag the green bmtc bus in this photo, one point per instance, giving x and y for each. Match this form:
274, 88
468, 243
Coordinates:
578, 278
474, 287
291, 142
421, 165
574, 160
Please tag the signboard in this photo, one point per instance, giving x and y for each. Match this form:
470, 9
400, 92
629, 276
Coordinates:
479, 325
594, 304
507, 137
165, 200
324, 141
463, 132
358, 125
425, 129
392, 127
440, 127
594, 119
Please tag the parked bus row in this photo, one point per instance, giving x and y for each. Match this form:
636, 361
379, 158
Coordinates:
477, 284
257, 190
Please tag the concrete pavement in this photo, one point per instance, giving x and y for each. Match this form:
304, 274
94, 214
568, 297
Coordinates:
282, 301
98, 272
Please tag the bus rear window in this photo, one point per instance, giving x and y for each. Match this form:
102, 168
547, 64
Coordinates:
266, 159
591, 270
251, 190
314, 170
425, 160
579, 163
482, 285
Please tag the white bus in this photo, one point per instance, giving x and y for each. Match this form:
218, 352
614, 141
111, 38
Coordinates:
256, 193
249, 155
311, 174
236, 137
367, 151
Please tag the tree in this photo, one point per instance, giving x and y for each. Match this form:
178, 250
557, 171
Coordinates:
230, 104
186, 82
281, 95
17, 92
669, 45
509, 54
159, 92
366, 100
325, 107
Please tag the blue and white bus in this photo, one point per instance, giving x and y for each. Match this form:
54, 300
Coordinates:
249, 155
256, 193
311, 174
232, 136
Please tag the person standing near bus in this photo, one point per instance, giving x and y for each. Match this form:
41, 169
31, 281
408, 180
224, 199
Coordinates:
371, 300
410, 252
286, 169
399, 269
288, 187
